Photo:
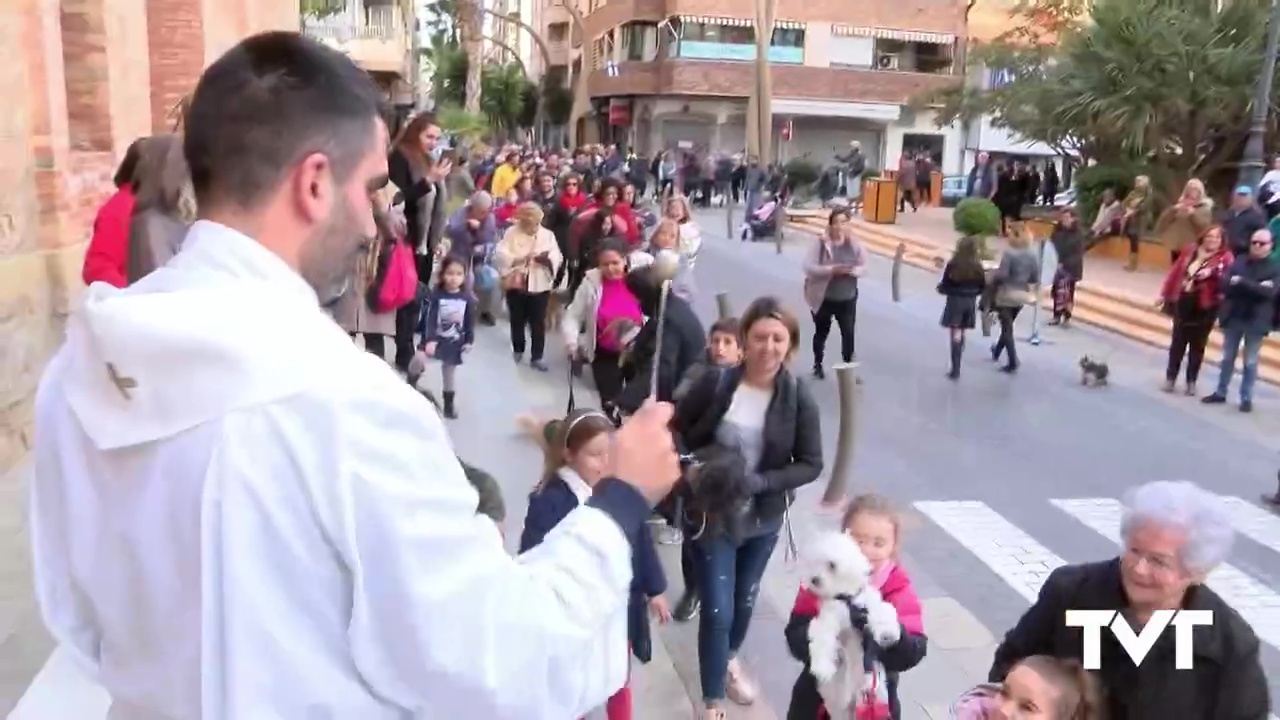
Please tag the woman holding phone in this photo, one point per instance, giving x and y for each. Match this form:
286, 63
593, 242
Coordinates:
832, 268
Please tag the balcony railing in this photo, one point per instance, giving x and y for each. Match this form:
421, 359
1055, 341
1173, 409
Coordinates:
376, 23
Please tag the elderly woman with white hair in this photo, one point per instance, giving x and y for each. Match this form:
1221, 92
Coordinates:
1173, 535
527, 259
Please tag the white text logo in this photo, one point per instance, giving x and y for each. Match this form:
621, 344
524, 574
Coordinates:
1138, 644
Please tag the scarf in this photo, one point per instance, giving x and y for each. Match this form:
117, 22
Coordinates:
571, 203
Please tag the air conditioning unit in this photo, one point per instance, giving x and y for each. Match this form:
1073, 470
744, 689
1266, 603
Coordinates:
887, 61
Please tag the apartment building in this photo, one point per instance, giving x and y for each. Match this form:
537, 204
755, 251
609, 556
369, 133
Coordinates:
381, 37
676, 73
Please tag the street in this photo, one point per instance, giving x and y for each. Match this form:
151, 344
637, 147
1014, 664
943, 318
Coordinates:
1000, 478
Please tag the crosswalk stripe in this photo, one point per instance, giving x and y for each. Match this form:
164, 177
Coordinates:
1253, 522
1012, 554
1256, 603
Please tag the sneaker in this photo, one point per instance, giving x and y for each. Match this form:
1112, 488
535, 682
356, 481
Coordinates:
737, 685
714, 713
818, 372
688, 607
1246, 406
1191, 389
538, 365
517, 357
1168, 386
1214, 399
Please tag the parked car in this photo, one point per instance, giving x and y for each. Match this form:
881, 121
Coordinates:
953, 187
1066, 198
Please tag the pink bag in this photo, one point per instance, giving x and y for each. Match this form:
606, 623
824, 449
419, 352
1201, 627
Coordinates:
400, 283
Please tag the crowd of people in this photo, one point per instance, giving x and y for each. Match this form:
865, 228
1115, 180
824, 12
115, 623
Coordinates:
237, 514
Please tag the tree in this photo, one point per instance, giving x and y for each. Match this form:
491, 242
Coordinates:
1161, 83
556, 100
760, 100
503, 95
320, 8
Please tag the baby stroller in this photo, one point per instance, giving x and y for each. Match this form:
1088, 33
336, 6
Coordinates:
765, 223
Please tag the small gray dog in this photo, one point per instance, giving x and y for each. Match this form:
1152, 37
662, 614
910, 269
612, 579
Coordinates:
1094, 373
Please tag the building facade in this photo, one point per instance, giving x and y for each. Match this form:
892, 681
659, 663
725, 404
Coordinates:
89, 77
676, 73
381, 36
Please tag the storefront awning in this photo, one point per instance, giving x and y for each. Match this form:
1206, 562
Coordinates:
737, 22
889, 34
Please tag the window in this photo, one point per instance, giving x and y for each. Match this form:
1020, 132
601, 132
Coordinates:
636, 40
737, 35
788, 37
557, 32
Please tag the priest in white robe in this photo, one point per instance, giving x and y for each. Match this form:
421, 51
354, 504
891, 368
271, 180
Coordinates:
236, 514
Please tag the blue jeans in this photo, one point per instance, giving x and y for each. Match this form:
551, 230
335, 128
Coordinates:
729, 581
1233, 335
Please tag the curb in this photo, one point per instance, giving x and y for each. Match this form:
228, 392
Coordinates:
1100, 307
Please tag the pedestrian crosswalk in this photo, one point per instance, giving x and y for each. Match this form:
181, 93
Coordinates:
1023, 563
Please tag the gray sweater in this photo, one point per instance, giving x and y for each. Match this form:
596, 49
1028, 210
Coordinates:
1019, 270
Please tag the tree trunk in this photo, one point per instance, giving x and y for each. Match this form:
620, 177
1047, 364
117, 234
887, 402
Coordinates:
759, 102
581, 98
472, 43
542, 50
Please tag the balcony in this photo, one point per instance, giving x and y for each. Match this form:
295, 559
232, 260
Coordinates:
679, 76
375, 38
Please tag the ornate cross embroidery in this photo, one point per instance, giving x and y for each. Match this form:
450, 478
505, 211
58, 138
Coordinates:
123, 384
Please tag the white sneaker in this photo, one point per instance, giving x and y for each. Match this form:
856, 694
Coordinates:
738, 686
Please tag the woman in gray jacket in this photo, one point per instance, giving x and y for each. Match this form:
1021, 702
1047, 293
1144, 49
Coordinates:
165, 206
1014, 281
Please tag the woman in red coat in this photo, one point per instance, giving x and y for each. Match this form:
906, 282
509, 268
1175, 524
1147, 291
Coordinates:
108, 251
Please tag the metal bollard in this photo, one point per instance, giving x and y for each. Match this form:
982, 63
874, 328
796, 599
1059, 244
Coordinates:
728, 219
842, 468
895, 277
723, 308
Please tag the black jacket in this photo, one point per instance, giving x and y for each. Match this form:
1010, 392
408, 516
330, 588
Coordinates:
1227, 682
792, 453
684, 343
1247, 302
1240, 225
1069, 244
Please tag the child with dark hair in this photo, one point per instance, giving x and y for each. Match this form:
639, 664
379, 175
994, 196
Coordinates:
723, 350
447, 327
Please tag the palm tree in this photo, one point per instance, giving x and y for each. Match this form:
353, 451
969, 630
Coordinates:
469, 13
759, 102
503, 95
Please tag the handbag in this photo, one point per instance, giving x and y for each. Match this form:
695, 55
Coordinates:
486, 278
398, 284
516, 279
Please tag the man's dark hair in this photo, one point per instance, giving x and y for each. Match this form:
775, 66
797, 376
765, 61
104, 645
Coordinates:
266, 104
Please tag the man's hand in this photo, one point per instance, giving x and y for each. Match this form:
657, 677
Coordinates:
644, 453
429, 349
473, 223
466, 348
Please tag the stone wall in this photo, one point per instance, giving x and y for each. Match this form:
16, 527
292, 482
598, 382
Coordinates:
89, 78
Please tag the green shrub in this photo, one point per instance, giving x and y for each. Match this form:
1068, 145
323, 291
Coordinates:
802, 172
977, 217
1090, 182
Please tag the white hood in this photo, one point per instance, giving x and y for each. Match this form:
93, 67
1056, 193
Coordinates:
213, 331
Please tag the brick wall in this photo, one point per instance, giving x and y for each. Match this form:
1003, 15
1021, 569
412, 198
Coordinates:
91, 76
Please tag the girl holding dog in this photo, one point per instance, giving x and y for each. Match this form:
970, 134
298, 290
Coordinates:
873, 523
577, 457
757, 432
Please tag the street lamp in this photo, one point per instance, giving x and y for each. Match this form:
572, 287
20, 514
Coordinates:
1253, 164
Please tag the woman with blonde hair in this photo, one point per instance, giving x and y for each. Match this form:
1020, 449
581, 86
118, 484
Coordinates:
1013, 283
526, 259
1182, 223
164, 209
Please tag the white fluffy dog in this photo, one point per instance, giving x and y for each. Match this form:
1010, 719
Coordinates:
839, 574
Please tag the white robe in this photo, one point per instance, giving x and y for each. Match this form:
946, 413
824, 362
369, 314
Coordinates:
272, 524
